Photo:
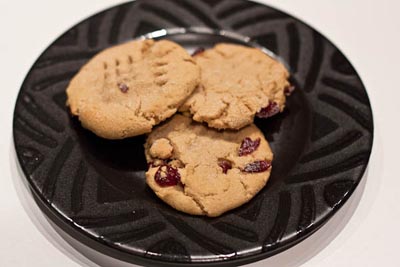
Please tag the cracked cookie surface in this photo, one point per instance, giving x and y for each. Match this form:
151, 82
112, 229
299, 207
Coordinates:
237, 82
127, 89
204, 171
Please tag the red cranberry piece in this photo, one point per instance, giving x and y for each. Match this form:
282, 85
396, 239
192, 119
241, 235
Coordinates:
123, 87
269, 111
257, 166
198, 51
225, 165
248, 146
167, 176
289, 90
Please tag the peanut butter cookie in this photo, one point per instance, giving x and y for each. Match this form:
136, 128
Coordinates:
237, 83
127, 89
202, 171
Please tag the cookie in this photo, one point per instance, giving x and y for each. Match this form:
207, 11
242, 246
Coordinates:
202, 171
237, 83
127, 89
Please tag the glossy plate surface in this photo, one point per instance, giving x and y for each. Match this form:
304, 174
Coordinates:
95, 189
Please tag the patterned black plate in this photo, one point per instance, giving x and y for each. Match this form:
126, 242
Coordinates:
95, 190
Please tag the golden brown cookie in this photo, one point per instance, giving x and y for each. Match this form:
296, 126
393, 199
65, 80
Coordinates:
237, 82
202, 171
127, 89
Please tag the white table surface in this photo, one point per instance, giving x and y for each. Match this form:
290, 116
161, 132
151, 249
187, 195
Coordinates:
365, 232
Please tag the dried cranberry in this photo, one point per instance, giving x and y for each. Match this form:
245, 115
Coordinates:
123, 87
257, 166
289, 90
167, 176
225, 165
269, 111
198, 51
248, 146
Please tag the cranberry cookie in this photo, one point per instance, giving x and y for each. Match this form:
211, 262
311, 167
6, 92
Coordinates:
127, 89
202, 171
237, 83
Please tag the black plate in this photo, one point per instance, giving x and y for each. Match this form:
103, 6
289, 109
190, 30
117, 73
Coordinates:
95, 190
